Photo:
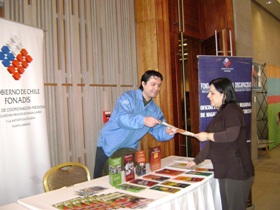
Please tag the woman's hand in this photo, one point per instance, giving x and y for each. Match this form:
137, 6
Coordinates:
170, 131
204, 136
190, 164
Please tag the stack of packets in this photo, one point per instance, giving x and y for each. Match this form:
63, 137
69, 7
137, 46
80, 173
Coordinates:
90, 190
114, 200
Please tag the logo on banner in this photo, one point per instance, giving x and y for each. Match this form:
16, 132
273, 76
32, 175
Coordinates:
226, 62
15, 58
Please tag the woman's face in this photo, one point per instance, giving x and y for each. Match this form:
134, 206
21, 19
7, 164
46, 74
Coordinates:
216, 98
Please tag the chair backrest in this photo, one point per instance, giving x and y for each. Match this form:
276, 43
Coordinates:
262, 141
119, 153
64, 175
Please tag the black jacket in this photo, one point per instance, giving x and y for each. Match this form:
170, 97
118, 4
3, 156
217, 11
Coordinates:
230, 153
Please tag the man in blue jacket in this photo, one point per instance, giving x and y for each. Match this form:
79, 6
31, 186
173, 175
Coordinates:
134, 115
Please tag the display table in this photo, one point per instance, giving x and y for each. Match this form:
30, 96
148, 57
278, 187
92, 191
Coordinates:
13, 206
202, 195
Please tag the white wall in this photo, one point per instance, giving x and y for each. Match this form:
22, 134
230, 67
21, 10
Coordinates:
90, 54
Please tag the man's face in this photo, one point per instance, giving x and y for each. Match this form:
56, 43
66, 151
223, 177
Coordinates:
151, 88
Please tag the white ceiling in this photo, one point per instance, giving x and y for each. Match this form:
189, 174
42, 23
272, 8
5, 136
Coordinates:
273, 8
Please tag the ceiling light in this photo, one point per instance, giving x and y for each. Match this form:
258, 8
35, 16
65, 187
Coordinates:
269, 2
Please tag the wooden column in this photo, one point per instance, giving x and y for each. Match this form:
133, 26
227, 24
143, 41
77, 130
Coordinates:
1, 11
153, 52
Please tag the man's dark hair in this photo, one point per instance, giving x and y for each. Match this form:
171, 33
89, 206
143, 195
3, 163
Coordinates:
148, 74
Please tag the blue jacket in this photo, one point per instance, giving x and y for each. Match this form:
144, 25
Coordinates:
125, 127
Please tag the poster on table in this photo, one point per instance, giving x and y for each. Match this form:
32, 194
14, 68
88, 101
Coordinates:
24, 153
239, 71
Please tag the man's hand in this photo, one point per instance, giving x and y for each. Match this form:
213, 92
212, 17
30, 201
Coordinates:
151, 121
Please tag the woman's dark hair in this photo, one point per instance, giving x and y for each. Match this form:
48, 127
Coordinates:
148, 74
224, 85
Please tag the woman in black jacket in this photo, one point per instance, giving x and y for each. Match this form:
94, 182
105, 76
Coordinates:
227, 146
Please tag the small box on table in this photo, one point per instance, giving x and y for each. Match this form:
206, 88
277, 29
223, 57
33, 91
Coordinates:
115, 168
128, 161
140, 161
155, 158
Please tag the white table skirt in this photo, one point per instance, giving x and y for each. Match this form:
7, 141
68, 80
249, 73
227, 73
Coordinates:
13, 206
203, 195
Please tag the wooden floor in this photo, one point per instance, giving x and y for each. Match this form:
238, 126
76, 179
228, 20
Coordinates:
266, 188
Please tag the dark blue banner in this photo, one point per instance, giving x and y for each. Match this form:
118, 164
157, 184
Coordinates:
238, 70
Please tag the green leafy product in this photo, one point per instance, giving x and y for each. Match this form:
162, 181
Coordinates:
115, 167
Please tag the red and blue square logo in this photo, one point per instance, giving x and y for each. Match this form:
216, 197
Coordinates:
226, 62
15, 58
